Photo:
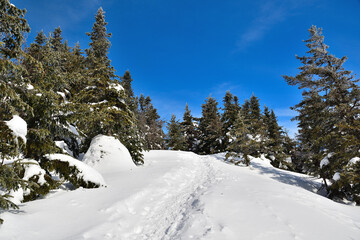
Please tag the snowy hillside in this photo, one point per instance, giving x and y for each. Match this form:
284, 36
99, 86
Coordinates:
180, 195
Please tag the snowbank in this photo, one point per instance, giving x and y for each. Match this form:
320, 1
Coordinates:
107, 154
18, 126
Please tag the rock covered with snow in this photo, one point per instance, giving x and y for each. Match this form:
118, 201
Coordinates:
18, 127
107, 154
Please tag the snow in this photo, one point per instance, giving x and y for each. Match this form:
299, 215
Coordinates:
29, 86
116, 86
336, 176
64, 147
354, 160
18, 127
86, 172
107, 154
32, 168
325, 160
180, 195
62, 95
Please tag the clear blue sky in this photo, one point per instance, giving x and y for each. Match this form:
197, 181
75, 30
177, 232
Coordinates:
179, 52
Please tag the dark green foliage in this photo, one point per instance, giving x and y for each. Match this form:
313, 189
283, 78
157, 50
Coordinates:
328, 116
210, 128
175, 139
189, 131
228, 118
12, 90
102, 107
130, 100
150, 125
11, 180
69, 173
12, 26
241, 143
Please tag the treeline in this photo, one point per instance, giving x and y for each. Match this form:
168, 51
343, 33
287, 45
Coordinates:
240, 130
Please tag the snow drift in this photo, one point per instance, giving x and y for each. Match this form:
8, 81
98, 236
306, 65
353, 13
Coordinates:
107, 154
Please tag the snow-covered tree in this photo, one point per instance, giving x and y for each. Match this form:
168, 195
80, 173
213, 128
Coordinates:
328, 115
175, 139
189, 131
210, 128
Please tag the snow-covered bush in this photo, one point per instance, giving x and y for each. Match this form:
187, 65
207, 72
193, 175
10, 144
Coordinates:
74, 171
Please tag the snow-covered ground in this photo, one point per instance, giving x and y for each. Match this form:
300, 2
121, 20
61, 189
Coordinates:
180, 195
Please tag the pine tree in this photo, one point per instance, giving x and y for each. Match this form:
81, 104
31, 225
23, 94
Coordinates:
175, 139
231, 109
102, 107
210, 128
239, 149
189, 131
328, 114
150, 125
12, 90
56, 40
253, 120
126, 81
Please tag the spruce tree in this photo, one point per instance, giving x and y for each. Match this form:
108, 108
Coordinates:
210, 128
328, 115
175, 139
150, 125
12, 91
189, 131
231, 109
102, 107
126, 81
240, 147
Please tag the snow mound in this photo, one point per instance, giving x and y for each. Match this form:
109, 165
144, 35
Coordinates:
87, 173
107, 154
18, 126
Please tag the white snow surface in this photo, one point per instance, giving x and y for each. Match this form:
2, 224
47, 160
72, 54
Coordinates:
18, 127
180, 195
64, 147
86, 172
336, 176
354, 160
107, 154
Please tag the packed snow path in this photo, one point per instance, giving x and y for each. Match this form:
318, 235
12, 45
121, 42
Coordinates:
180, 195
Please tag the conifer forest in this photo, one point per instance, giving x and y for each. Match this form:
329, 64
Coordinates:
58, 101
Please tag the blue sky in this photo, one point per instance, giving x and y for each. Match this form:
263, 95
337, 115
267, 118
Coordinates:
179, 52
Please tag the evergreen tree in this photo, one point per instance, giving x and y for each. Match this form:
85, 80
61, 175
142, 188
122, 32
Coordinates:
150, 125
12, 91
231, 109
126, 81
253, 120
189, 131
175, 139
240, 147
210, 128
56, 40
102, 107
328, 114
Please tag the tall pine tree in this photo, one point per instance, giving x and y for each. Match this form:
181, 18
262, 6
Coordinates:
328, 116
